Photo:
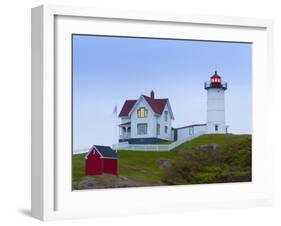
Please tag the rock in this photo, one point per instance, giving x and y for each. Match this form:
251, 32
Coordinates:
106, 181
208, 147
74, 185
123, 177
87, 183
164, 163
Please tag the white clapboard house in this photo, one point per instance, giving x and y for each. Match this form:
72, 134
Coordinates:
148, 120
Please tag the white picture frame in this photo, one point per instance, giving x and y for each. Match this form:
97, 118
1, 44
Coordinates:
52, 197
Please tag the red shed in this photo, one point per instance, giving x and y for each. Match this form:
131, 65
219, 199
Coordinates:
101, 159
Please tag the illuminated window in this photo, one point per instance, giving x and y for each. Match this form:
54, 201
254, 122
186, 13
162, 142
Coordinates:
216, 80
142, 128
142, 112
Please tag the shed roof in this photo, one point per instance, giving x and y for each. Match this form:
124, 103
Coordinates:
105, 151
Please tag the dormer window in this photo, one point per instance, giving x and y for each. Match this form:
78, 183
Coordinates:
142, 112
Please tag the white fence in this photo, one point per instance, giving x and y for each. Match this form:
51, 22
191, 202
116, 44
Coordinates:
153, 147
81, 151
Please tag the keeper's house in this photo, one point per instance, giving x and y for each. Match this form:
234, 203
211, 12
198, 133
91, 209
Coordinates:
100, 160
146, 120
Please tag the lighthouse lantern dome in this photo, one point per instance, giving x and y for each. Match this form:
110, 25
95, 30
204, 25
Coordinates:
216, 78
215, 82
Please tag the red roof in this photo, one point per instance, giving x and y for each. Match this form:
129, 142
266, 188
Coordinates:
215, 75
128, 105
157, 105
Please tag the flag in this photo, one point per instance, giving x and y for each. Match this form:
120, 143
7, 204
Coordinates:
115, 110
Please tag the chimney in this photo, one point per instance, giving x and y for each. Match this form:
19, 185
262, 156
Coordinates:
152, 94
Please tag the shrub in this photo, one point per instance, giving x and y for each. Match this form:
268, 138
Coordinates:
228, 164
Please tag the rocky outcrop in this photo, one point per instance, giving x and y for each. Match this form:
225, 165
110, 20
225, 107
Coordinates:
164, 163
106, 181
208, 147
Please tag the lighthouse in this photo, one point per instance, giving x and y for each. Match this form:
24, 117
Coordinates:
215, 105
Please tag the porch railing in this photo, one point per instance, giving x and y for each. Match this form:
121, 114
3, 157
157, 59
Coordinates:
125, 136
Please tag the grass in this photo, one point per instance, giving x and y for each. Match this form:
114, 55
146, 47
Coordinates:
136, 165
221, 139
143, 166
231, 161
78, 167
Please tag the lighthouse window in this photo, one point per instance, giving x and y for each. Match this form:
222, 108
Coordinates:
216, 128
216, 80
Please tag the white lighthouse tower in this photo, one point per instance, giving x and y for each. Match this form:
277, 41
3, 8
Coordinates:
215, 105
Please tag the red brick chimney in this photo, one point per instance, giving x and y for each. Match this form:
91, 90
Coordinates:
152, 94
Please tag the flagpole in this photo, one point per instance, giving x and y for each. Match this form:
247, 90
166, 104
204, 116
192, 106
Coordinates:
116, 129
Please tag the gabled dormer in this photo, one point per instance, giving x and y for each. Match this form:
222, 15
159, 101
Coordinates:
156, 105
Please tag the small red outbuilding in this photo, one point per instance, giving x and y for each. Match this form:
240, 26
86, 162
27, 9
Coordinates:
101, 159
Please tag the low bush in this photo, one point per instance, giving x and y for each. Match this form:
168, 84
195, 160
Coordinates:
230, 163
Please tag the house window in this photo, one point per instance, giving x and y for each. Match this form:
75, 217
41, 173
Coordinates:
166, 116
142, 112
216, 128
158, 129
142, 128
166, 129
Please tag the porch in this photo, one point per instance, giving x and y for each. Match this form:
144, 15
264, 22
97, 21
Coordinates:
125, 131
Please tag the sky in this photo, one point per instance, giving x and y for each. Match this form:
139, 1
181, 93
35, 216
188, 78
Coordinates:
109, 70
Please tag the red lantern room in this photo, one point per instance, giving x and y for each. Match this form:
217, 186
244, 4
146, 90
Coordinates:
216, 82
216, 78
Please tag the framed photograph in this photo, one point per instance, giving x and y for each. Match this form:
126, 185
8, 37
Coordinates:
137, 112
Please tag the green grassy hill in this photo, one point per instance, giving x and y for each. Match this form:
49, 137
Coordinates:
231, 161
136, 165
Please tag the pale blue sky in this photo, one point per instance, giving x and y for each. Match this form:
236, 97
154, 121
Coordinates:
109, 70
